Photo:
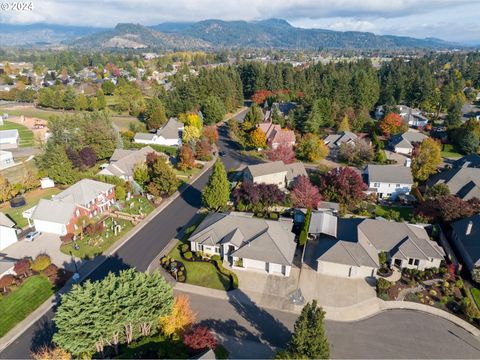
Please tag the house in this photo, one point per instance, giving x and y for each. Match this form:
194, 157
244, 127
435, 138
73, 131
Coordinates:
350, 247
333, 141
9, 139
465, 236
276, 173
123, 162
168, 135
277, 136
245, 242
404, 143
60, 214
463, 182
6, 159
471, 160
388, 181
8, 231
413, 117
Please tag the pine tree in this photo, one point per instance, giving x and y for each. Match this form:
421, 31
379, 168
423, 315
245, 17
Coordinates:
213, 110
344, 125
217, 192
155, 114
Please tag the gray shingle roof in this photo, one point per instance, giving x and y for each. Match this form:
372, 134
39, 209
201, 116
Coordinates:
393, 174
295, 170
123, 162
344, 252
472, 160
257, 239
6, 221
171, 130
58, 212
462, 181
407, 139
83, 191
144, 136
335, 140
470, 242
267, 168
7, 134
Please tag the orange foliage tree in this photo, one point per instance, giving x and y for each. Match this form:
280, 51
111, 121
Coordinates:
391, 124
180, 319
258, 139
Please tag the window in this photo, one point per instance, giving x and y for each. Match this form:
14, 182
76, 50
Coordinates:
217, 250
410, 261
199, 247
416, 262
376, 185
398, 185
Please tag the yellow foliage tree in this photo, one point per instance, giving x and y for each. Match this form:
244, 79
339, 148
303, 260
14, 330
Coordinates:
258, 139
344, 124
191, 134
191, 119
51, 354
426, 159
180, 319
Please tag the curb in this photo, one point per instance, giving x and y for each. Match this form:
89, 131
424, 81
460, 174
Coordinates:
91, 266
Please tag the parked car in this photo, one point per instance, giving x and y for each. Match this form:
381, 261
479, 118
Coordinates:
32, 235
221, 153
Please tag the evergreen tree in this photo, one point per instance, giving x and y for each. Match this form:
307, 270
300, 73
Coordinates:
217, 192
57, 165
163, 181
69, 98
155, 114
344, 125
213, 110
108, 87
101, 101
254, 115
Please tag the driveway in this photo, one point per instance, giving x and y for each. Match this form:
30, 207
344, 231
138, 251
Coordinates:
44, 244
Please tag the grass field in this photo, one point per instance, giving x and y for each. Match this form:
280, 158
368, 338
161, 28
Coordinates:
32, 198
15, 174
449, 152
22, 301
124, 122
405, 212
32, 112
26, 135
476, 296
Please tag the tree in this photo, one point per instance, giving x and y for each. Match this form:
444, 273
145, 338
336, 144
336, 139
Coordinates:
203, 150
469, 143
258, 197
309, 339
343, 185
454, 114
257, 139
81, 102
118, 308
191, 134
46, 353
283, 152
22, 267
5, 189
41, 262
181, 318
186, 158
192, 119
155, 114
426, 159
163, 181
446, 208
311, 148
199, 338
254, 115
358, 152
304, 194
392, 124
437, 190
211, 133
217, 192
6, 281
108, 87
57, 165
88, 157
320, 116
213, 110
141, 174
101, 101
344, 125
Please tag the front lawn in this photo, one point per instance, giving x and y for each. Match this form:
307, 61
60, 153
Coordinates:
30, 111
476, 296
26, 135
449, 152
405, 212
32, 198
186, 174
135, 205
22, 301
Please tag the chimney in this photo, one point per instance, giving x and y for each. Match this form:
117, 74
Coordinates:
469, 228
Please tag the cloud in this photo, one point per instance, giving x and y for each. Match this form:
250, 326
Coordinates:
418, 18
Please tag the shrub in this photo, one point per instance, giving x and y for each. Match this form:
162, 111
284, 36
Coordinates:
432, 292
22, 267
184, 248
188, 255
382, 285
273, 216
50, 270
181, 278
41, 262
216, 257
6, 281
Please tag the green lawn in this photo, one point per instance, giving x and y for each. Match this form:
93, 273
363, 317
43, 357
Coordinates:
32, 198
32, 112
146, 206
448, 151
22, 301
476, 296
26, 135
405, 212
124, 122
91, 246
186, 173
15, 174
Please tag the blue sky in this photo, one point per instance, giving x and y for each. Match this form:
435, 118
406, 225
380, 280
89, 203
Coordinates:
454, 20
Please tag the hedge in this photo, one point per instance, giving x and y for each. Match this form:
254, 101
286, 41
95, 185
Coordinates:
227, 272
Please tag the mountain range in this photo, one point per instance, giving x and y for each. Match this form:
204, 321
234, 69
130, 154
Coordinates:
209, 34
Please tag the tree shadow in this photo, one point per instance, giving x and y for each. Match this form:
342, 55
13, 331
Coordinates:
192, 194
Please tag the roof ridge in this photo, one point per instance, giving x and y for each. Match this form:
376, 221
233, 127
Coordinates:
349, 253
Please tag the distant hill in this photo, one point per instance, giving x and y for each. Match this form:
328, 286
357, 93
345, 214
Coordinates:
210, 34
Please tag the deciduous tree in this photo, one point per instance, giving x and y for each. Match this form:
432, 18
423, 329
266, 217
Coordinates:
186, 158
283, 152
163, 181
191, 134
304, 194
311, 148
181, 318
211, 133
199, 338
391, 124
343, 185
257, 139
426, 159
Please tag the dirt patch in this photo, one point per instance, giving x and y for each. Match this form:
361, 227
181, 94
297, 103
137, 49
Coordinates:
38, 126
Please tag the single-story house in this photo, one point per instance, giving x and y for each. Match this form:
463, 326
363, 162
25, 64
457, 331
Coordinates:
413, 117
350, 247
85, 198
8, 231
6, 159
277, 136
333, 141
123, 162
169, 134
245, 242
463, 182
466, 237
388, 181
276, 173
9, 139
404, 143
471, 160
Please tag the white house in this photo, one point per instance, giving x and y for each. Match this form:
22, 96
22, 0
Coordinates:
388, 181
9, 139
6, 159
413, 117
247, 243
8, 232
168, 135
276, 173
405, 143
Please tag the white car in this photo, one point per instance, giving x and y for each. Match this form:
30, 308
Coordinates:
32, 235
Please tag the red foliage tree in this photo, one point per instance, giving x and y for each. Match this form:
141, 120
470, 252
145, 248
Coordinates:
186, 158
445, 208
88, 156
211, 133
260, 96
343, 185
199, 338
22, 267
203, 150
283, 152
305, 194
391, 124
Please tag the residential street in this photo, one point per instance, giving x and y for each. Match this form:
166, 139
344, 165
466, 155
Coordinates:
417, 335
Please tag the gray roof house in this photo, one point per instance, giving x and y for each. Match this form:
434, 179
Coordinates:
333, 141
169, 134
404, 143
245, 242
350, 247
276, 173
471, 160
463, 182
466, 236
388, 181
9, 139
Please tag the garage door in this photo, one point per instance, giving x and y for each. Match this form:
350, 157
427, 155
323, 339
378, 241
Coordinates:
342, 270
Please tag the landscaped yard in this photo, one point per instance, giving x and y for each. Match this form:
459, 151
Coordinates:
405, 212
476, 296
124, 122
32, 198
134, 205
30, 111
186, 174
22, 301
448, 151
15, 174
26, 135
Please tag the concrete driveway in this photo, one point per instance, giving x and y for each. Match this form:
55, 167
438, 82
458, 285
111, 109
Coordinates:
44, 244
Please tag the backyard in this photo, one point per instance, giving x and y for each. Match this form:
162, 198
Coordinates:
32, 198
405, 212
15, 174
22, 301
26, 135
448, 151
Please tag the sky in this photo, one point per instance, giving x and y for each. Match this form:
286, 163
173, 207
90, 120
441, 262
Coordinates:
452, 20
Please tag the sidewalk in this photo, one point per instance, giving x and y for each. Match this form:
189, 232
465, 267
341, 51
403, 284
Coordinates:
87, 267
